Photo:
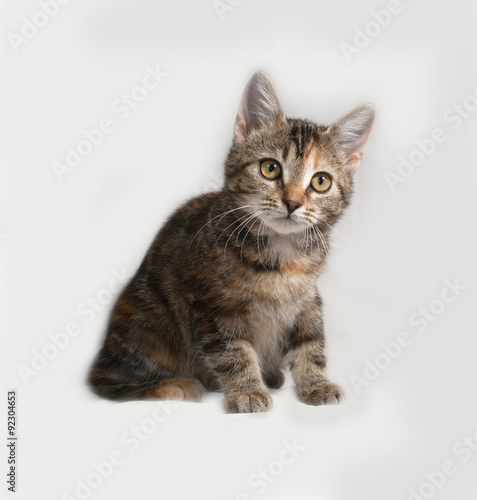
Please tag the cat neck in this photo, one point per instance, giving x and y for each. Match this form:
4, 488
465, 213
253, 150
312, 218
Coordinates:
295, 247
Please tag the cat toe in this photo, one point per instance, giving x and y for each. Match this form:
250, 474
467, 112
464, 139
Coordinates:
254, 401
324, 394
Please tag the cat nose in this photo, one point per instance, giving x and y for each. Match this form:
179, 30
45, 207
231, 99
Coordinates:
292, 205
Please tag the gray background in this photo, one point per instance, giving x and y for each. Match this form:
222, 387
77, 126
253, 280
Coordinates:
60, 242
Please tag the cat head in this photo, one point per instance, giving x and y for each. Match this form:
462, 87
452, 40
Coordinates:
292, 173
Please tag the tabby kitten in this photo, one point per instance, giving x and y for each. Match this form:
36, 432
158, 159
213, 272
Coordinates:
226, 296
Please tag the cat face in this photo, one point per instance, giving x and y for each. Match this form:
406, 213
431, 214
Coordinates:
292, 174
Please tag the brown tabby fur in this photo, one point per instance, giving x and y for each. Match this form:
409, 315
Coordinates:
226, 296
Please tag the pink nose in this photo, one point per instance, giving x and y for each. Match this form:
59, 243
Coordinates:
292, 205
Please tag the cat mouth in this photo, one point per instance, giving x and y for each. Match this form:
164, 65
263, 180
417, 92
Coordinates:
287, 219
283, 219
285, 224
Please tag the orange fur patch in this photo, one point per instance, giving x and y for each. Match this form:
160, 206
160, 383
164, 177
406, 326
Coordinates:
312, 150
294, 268
181, 389
294, 193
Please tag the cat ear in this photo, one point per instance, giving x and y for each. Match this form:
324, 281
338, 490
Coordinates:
351, 134
259, 107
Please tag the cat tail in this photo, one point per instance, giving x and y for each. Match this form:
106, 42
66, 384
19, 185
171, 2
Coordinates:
167, 388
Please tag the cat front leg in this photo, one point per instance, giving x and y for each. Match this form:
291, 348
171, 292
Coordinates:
307, 359
236, 364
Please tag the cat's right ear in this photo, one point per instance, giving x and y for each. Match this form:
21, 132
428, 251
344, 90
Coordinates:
351, 133
259, 107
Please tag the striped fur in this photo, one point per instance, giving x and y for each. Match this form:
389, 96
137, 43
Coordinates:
226, 296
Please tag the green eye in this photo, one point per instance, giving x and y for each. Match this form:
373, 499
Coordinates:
270, 169
321, 182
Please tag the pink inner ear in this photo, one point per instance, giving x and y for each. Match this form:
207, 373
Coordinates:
354, 160
258, 108
351, 133
240, 130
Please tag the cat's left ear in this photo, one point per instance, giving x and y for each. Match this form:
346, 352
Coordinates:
351, 133
259, 107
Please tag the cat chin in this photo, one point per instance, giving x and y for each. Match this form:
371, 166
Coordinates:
286, 226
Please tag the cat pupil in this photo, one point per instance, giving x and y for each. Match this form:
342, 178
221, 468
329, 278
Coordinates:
321, 180
271, 168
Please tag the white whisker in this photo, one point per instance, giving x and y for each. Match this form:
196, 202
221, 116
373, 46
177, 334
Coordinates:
241, 224
223, 214
234, 222
241, 248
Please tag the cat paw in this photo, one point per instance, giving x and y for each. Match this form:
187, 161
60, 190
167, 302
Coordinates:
274, 380
253, 401
324, 394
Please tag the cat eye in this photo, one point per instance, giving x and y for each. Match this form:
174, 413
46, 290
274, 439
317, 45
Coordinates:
270, 169
321, 182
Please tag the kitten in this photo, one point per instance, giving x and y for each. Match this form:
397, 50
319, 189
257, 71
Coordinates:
226, 296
